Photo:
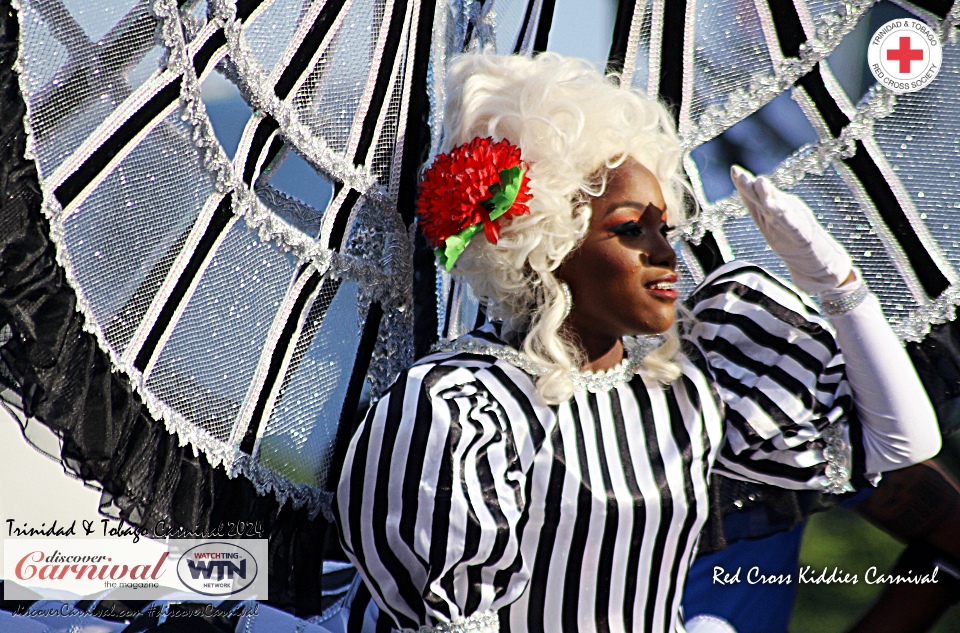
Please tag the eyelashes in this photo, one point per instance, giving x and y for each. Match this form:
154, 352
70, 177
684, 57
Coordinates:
627, 229
647, 221
633, 228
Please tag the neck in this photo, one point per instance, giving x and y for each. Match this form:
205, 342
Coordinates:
602, 351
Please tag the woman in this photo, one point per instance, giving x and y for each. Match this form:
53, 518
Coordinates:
549, 472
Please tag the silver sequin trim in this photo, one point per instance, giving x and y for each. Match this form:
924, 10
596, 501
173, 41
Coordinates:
941, 310
809, 159
837, 454
746, 100
594, 382
847, 302
567, 299
385, 279
948, 29
311, 147
482, 622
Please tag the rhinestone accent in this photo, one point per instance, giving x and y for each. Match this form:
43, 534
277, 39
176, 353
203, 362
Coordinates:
847, 302
837, 454
482, 622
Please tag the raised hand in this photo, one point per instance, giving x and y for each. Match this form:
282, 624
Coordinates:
816, 261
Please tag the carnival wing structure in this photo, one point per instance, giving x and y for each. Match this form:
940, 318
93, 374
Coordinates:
184, 324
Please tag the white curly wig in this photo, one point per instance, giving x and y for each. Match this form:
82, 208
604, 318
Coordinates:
572, 126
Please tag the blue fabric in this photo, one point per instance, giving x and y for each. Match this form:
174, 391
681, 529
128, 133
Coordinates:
738, 594
742, 597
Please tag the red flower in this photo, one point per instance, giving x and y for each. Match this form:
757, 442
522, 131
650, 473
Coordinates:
458, 182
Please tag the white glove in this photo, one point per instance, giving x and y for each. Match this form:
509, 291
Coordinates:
898, 422
816, 261
708, 623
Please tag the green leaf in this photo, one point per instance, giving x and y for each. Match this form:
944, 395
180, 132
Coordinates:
503, 195
505, 192
454, 245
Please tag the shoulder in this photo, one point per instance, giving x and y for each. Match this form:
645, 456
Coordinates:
476, 373
697, 382
463, 392
752, 304
477, 358
753, 285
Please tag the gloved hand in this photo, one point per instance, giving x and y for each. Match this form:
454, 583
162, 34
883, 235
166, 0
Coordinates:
816, 261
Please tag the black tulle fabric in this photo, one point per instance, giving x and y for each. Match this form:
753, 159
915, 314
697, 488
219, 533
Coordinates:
65, 381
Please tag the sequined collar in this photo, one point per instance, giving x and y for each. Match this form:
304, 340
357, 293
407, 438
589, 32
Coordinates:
636, 347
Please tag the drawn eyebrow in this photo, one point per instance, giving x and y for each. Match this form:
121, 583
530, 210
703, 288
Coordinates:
634, 205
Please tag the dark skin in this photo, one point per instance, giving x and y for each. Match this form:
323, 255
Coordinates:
621, 272
918, 504
626, 241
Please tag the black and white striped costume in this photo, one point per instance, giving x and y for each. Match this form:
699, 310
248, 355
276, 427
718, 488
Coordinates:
781, 376
464, 494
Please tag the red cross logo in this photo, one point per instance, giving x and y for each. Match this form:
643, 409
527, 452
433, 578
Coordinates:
905, 54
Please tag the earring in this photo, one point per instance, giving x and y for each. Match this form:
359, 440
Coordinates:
567, 299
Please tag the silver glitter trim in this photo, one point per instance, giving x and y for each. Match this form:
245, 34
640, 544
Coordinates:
745, 100
257, 86
437, 73
381, 238
288, 206
268, 226
656, 46
482, 622
633, 45
393, 351
838, 458
595, 382
485, 29
567, 299
191, 23
246, 204
385, 279
847, 302
814, 158
917, 325
686, 90
443, 286
217, 452
948, 28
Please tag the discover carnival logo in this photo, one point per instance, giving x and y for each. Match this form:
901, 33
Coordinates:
149, 570
905, 55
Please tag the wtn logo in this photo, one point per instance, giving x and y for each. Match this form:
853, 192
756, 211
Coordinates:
223, 568
218, 568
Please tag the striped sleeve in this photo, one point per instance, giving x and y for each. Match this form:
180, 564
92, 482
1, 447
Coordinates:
780, 374
431, 495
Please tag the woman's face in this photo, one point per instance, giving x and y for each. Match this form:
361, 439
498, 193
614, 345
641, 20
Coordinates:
622, 274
